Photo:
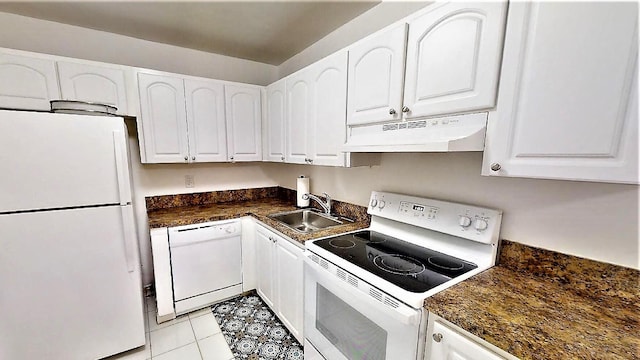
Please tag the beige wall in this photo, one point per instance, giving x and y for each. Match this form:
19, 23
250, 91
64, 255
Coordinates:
598, 221
592, 220
24, 33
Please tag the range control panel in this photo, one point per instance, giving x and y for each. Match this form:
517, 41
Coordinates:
467, 221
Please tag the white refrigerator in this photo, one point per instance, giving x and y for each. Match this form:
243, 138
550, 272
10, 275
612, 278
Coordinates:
70, 285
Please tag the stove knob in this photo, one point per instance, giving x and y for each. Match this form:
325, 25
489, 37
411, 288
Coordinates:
381, 204
465, 221
374, 202
480, 224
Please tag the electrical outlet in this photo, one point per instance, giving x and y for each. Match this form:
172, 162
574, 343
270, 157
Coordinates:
189, 181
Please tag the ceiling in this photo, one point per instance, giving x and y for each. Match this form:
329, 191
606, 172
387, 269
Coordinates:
265, 31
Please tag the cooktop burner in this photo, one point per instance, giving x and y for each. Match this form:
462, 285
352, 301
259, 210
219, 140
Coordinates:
399, 264
342, 243
411, 267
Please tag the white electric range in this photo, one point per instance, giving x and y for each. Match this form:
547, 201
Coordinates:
364, 291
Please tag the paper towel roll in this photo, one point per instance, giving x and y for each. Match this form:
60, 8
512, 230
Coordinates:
302, 186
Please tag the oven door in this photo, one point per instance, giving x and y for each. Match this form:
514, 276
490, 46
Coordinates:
343, 321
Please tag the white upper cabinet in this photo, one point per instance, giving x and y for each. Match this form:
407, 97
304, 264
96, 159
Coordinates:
453, 59
244, 122
328, 128
274, 126
27, 83
316, 110
299, 112
376, 71
164, 119
206, 120
93, 83
568, 101
199, 120
453, 53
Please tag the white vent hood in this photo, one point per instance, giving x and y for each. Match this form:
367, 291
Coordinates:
451, 133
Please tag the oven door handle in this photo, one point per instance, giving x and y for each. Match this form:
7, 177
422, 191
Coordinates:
403, 313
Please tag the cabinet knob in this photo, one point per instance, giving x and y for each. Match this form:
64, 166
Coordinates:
186, 158
437, 337
231, 158
392, 111
193, 158
495, 167
282, 158
405, 109
310, 161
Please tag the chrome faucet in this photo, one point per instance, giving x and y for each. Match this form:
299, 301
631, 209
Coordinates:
326, 206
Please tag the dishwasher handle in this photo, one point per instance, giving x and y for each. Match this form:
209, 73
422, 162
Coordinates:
188, 242
193, 234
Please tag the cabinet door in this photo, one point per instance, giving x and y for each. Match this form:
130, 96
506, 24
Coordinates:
265, 266
453, 345
329, 103
289, 277
376, 70
244, 122
298, 116
93, 84
274, 129
27, 83
568, 102
164, 120
205, 120
453, 59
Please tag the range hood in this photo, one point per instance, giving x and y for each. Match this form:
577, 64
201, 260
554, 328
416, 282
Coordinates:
444, 134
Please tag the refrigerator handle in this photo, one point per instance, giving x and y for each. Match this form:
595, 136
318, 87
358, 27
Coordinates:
128, 237
122, 167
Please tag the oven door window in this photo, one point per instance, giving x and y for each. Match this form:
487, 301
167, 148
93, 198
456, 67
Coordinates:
361, 340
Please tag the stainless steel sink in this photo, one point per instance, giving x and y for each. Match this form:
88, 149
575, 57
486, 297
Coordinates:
307, 221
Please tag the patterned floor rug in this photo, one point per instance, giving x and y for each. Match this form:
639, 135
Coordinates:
253, 332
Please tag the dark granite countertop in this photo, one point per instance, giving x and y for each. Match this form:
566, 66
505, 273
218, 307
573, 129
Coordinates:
185, 209
538, 304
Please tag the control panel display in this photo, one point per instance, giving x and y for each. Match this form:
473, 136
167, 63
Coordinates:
417, 210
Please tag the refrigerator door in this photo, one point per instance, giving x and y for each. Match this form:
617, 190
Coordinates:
67, 289
52, 161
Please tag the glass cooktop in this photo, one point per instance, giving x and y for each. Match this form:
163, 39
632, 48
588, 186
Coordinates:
411, 267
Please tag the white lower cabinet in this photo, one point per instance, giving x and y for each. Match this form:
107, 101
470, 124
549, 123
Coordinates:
446, 341
280, 278
568, 101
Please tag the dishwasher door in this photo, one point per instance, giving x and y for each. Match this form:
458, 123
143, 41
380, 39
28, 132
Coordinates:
206, 258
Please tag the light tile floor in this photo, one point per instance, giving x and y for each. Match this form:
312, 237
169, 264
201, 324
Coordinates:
193, 336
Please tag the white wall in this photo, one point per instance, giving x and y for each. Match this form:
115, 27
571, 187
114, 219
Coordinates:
593, 220
25, 33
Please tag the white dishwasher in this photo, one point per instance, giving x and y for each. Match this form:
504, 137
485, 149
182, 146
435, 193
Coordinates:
206, 263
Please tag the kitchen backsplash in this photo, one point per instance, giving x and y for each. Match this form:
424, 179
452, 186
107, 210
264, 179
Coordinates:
354, 212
